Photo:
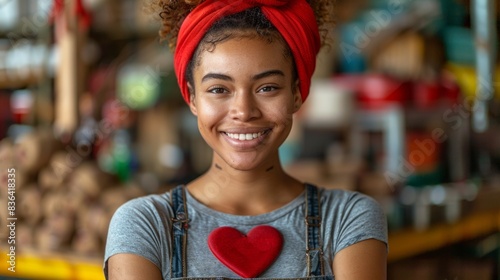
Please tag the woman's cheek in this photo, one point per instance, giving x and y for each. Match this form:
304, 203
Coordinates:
209, 110
284, 116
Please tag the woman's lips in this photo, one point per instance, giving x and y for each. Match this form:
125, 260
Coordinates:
245, 140
245, 136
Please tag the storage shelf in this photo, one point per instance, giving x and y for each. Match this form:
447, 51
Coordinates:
31, 265
408, 243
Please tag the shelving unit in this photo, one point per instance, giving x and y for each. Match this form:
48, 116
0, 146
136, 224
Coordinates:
410, 242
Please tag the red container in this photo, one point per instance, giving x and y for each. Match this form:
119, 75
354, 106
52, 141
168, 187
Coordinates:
451, 90
375, 91
426, 94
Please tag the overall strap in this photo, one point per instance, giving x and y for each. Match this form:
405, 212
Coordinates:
314, 249
180, 224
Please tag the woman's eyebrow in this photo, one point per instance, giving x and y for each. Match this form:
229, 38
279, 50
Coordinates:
224, 77
216, 76
268, 73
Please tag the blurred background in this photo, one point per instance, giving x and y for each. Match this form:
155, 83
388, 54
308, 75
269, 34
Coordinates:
405, 107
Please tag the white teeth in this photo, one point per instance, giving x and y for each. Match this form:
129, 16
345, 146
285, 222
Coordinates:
243, 137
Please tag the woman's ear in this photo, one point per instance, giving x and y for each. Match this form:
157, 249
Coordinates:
192, 100
297, 97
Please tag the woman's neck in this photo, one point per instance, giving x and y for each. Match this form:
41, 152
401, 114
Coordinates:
253, 192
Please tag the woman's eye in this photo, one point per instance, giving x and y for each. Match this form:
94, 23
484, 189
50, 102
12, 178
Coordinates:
267, 88
217, 90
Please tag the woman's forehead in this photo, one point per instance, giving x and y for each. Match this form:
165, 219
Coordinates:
240, 42
244, 54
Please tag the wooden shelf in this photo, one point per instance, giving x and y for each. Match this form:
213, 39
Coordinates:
31, 265
408, 243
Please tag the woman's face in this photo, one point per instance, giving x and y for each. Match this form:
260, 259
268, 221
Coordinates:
244, 100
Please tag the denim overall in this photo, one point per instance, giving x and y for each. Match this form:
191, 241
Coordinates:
314, 251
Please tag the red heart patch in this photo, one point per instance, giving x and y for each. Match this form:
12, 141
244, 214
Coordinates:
247, 255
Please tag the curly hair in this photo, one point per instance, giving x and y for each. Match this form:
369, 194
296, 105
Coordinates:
173, 12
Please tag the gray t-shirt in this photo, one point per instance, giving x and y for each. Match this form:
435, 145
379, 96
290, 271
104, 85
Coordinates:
142, 227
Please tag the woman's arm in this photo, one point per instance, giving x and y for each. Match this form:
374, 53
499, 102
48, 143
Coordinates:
364, 260
132, 267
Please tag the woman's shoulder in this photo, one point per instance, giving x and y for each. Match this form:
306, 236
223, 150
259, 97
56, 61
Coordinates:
347, 199
354, 215
149, 200
148, 205
339, 194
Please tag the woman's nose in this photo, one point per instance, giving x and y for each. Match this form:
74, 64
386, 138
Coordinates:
244, 107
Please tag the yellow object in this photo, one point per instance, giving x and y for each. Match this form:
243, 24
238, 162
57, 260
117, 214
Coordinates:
407, 243
40, 267
467, 79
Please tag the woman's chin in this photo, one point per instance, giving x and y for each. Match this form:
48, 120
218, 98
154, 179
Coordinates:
247, 161
243, 166
244, 163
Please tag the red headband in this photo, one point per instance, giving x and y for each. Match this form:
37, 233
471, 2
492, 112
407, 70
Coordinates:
294, 19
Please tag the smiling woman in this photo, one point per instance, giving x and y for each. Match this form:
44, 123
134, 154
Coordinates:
244, 68
241, 88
